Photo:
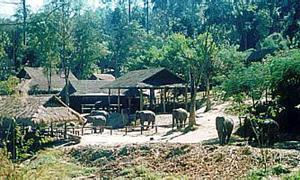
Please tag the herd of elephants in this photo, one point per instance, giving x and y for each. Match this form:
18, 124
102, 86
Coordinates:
259, 132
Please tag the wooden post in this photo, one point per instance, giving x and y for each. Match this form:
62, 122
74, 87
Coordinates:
142, 127
186, 97
141, 100
164, 100
126, 130
109, 99
129, 102
152, 98
156, 129
174, 97
51, 129
110, 130
14, 140
119, 105
65, 131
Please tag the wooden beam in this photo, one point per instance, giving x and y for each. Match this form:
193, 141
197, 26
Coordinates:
152, 98
164, 100
65, 131
119, 103
109, 99
129, 102
174, 97
141, 100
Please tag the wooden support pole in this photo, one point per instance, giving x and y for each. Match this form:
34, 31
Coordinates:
51, 129
129, 102
110, 130
164, 100
152, 98
174, 97
186, 97
65, 131
109, 99
156, 129
126, 130
141, 100
14, 140
119, 102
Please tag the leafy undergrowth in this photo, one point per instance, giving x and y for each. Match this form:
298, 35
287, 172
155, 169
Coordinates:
47, 164
184, 161
156, 161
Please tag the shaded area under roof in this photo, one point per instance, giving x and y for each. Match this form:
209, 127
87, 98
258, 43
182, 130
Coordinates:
147, 78
39, 81
95, 88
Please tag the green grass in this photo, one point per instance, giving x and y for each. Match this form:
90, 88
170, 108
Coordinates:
141, 172
47, 164
277, 170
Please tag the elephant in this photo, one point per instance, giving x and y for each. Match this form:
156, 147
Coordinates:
265, 132
224, 127
99, 113
97, 121
146, 116
179, 117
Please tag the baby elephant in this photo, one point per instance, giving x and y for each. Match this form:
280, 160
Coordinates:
224, 128
179, 117
146, 116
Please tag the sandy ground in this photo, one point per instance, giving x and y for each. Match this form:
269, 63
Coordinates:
205, 130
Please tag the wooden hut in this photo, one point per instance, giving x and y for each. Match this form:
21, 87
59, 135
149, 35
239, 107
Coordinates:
34, 110
39, 83
150, 81
37, 112
85, 93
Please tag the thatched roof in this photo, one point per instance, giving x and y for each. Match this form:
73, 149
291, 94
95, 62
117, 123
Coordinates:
94, 88
38, 79
106, 77
37, 109
147, 78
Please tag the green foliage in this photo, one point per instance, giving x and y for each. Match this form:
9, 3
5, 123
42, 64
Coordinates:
249, 80
273, 171
47, 164
285, 77
9, 86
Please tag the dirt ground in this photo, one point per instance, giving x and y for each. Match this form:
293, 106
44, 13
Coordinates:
205, 130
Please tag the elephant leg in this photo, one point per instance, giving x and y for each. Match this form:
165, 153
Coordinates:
220, 135
228, 137
153, 124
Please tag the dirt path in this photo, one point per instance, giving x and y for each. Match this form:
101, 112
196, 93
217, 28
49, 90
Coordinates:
205, 130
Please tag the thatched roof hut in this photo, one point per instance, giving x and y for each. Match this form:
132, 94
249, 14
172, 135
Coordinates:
105, 77
147, 78
39, 82
28, 110
88, 92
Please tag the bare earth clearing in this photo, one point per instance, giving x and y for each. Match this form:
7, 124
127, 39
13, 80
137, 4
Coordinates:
205, 130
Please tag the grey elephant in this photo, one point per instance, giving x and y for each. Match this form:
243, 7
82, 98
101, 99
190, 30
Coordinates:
146, 115
224, 127
179, 117
99, 113
265, 132
96, 121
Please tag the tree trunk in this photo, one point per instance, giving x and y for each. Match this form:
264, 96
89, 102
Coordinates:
208, 101
192, 118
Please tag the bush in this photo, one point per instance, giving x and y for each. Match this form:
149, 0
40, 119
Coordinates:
8, 87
